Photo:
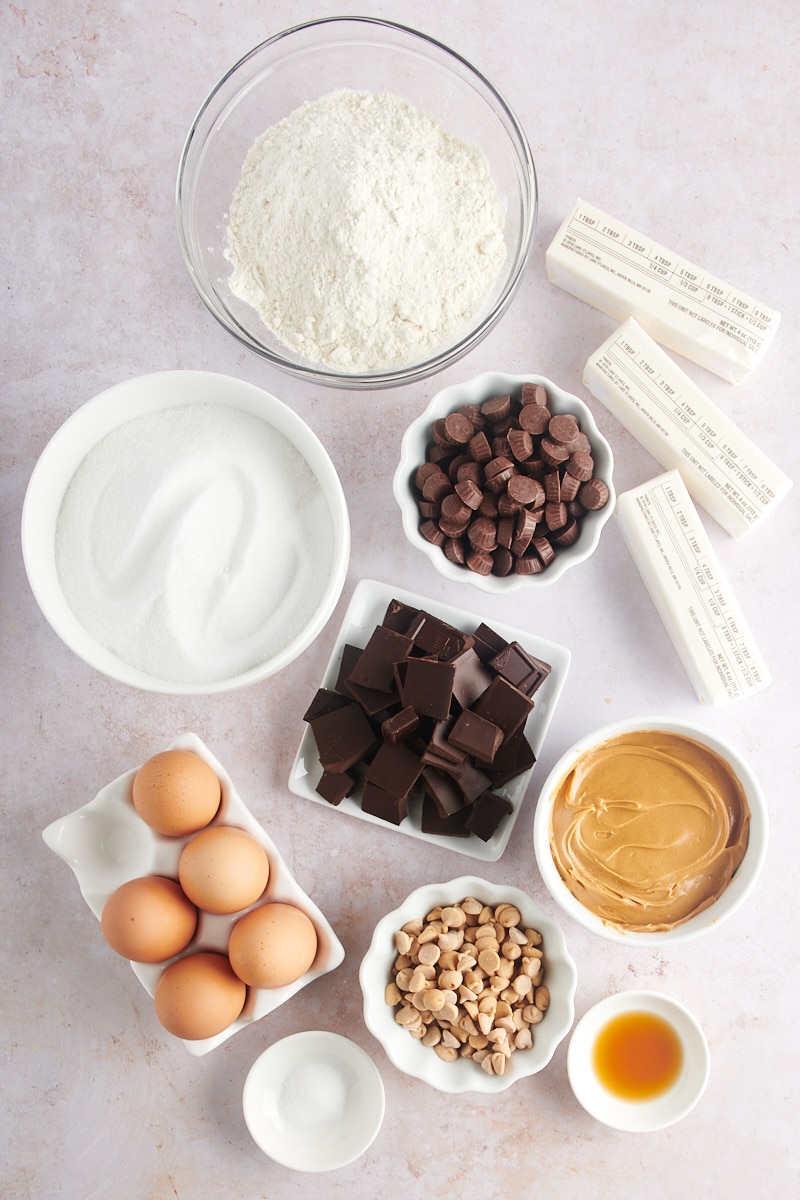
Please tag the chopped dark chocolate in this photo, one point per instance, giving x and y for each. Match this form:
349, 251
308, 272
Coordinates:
428, 687
453, 826
487, 642
350, 656
505, 705
400, 725
471, 780
378, 803
476, 736
514, 756
374, 667
343, 736
398, 616
487, 813
430, 758
420, 738
439, 638
520, 668
400, 669
370, 699
335, 785
471, 678
394, 769
427, 709
443, 790
439, 744
324, 701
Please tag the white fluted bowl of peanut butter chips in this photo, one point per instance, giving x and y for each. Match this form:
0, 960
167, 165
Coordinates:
468, 986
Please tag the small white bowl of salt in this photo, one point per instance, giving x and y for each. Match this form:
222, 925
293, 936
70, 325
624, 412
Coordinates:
314, 1101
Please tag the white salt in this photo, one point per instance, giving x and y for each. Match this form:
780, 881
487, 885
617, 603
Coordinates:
314, 1093
194, 542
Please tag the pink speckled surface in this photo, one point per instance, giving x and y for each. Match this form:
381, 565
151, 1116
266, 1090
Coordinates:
681, 120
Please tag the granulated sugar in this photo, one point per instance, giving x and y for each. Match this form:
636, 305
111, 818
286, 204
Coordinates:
194, 542
364, 235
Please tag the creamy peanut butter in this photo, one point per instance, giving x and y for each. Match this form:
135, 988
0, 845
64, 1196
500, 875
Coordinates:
648, 828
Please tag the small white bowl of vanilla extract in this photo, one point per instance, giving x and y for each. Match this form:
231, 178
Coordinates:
638, 1061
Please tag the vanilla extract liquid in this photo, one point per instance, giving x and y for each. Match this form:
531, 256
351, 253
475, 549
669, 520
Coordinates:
638, 1056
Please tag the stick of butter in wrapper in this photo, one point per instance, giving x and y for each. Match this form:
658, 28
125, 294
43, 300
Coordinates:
677, 423
626, 274
679, 568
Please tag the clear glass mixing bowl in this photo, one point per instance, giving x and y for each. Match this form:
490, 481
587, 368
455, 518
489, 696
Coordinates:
298, 66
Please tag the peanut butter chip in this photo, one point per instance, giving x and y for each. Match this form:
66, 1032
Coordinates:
489, 961
402, 942
507, 916
480, 1005
434, 1000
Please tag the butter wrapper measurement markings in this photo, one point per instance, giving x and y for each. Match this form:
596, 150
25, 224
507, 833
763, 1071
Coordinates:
678, 424
626, 274
692, 596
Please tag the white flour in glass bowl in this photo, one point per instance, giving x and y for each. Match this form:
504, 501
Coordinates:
363, 234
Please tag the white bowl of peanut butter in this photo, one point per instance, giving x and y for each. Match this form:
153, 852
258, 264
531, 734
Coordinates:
650, 830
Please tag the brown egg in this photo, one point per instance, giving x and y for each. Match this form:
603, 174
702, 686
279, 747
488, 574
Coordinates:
148, 919
223, 869
176, 792
198, 996
272, 945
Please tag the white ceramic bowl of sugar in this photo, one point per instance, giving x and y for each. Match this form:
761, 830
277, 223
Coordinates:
144, 421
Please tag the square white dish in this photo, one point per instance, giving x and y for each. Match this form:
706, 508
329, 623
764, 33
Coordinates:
366, 610
106, 843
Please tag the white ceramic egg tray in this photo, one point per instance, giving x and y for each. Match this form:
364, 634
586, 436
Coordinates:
106, 843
